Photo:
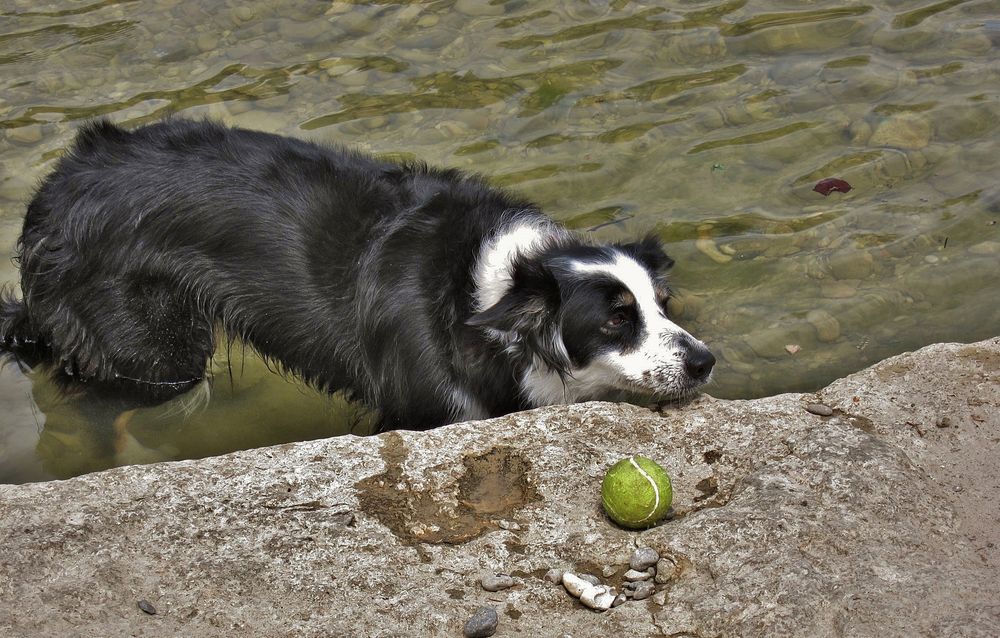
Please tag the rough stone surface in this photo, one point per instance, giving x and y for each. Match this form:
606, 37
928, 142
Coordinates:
783, 523
482, 624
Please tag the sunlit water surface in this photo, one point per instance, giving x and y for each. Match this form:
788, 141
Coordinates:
705, 122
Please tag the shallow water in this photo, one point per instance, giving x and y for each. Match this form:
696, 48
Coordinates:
706, 122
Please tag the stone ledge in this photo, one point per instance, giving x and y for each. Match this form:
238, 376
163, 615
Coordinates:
879, 520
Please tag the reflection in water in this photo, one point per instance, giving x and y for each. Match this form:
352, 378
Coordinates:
708, 122
247, 403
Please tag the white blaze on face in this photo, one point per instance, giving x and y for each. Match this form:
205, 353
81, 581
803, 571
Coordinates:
657, 364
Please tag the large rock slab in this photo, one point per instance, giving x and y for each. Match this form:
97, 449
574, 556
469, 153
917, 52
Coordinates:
879, 520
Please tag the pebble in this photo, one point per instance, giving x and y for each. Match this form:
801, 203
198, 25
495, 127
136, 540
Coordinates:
30, 134
574, 584
496, 582
708, 247
643, 590
643, 558
634, 574
483, 623
207, 41
820, 409
826, 325
905, 130
554, 575
598, 597
244, 13
619, 599
147, 607
477, 8
665, 569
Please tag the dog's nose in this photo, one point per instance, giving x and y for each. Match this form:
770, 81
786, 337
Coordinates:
698, 362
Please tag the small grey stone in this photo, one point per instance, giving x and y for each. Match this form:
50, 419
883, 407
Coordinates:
665, 569
643, 558
820, 409
619, 599
554, 575
643, 590
590, 578
634, 575
147, 607
608, 571
496, 582
482, 624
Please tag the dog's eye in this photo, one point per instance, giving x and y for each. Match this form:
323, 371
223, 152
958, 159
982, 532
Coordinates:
617, 320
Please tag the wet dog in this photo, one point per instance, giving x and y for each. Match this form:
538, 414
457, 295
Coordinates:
425, 293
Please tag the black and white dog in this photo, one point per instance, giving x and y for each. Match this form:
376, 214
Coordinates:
425, 293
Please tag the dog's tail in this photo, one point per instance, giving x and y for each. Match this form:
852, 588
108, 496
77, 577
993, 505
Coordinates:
19, 339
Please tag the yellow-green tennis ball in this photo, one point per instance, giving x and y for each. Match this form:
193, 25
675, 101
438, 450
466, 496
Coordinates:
636, 492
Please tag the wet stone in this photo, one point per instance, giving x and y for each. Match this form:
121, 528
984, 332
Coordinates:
906, 130
643, 558
496, 582
482, 624
826, 325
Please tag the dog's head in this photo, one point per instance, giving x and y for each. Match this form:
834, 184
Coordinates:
594, 320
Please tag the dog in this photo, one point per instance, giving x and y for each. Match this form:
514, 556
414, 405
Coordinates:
425, 293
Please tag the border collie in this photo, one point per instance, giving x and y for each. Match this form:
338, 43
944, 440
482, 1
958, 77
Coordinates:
425, 293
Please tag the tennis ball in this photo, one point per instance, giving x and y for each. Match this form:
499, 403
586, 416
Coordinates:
636, 492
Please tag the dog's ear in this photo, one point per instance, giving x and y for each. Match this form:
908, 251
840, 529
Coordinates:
520, 310
649, 251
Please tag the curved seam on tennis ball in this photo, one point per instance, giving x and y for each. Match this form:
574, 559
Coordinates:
656, 490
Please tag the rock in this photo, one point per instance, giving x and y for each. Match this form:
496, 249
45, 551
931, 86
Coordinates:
820, 409
482, 624
243, 13
826, 325
496, 582
26, 135
574, 584
634, 574
590, 578
643, 558
599, 597
643, 590
554, 575
665, 571
147, 607
478, 8
207, 41
904, 130
619, 599
849, 527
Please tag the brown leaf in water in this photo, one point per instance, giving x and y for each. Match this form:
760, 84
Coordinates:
825, 186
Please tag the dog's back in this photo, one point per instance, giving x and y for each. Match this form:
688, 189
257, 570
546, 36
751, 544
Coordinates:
328, 262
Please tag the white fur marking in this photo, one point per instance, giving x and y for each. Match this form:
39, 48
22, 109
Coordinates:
494, 270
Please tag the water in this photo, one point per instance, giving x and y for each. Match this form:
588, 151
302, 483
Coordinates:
705, 122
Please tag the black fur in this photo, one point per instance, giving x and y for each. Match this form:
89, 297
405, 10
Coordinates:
353, 273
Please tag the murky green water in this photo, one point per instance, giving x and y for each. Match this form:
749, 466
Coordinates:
708, 122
